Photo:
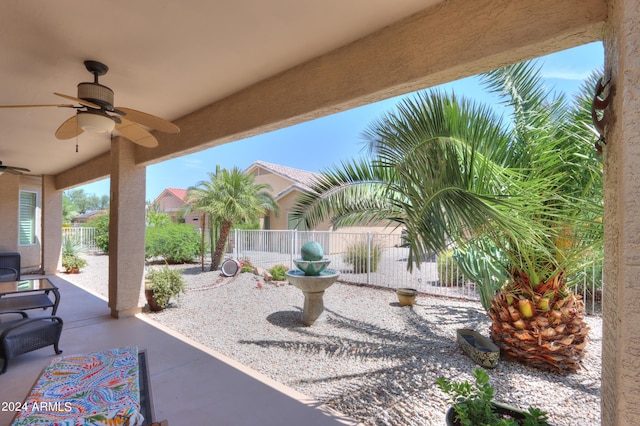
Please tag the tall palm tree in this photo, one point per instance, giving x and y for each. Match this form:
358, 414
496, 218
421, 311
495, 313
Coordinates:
525, 193
230, 197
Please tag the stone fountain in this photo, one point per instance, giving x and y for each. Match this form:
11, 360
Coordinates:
313, 279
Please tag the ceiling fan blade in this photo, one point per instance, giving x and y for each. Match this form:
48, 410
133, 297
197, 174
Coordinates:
15, 170
37, 106
150, 120
78, 100
69, 129
136, 134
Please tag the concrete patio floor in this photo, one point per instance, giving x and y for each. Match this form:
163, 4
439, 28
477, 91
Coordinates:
190, 383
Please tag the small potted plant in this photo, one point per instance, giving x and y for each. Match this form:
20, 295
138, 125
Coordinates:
473, 404
71, 260
72, 263
161, 285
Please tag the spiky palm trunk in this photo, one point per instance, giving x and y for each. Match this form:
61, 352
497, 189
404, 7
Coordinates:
544, 328
225, 228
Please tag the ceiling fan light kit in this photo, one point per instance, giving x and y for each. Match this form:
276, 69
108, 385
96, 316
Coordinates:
95, 122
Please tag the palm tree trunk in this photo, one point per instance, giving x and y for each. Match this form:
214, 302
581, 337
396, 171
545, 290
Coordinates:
225, 228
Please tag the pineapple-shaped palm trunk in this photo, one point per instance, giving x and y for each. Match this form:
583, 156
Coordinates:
541, 326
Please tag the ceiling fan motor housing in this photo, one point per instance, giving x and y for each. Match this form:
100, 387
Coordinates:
96, 93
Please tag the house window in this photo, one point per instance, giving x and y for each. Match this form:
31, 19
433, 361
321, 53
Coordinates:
27, 219
293, 223
266, 224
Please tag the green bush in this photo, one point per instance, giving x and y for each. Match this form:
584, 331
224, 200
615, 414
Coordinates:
174, 242
449, 273
277, 272
357, 255
101, 224
165, 283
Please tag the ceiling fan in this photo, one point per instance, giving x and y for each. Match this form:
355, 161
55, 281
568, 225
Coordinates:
13, 169
95, 113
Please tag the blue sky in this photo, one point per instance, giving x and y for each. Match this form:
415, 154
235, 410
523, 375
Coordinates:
318, 144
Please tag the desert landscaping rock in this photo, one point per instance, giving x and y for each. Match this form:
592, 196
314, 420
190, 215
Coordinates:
368, 358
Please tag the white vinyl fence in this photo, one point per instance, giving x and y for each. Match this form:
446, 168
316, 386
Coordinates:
86, 236
377, 260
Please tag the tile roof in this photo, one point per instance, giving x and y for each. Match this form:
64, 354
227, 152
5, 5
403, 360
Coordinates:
301, 178
179, 193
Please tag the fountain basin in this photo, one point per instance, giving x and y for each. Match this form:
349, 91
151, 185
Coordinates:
312, 283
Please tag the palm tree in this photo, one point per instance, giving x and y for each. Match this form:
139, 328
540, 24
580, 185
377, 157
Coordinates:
230, 197
524, 193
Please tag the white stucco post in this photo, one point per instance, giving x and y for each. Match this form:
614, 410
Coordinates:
51, 225
621, 332
126, 229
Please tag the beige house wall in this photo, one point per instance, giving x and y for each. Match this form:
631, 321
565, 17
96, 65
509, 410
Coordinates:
277, 183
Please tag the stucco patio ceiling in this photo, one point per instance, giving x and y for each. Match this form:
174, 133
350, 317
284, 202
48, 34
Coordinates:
165, 57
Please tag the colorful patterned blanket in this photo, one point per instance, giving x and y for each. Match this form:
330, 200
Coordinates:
100, 388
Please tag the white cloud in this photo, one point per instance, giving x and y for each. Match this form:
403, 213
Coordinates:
561, 74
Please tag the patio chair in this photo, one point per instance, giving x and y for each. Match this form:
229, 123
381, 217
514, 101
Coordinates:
9, 266
22, 335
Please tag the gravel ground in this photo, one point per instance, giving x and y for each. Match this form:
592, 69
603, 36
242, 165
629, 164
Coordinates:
367, 357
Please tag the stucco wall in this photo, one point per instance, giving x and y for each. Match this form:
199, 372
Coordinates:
621, 332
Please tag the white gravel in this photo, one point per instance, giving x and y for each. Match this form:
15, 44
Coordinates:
368, 357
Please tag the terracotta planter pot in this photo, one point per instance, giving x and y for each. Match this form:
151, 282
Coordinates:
406, 296
153, 304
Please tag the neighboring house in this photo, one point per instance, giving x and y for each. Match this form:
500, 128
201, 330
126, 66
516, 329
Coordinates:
86, 217
172, 201
287, 184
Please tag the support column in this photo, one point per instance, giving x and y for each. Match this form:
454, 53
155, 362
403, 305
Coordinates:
51, 225
621, 332
126, 230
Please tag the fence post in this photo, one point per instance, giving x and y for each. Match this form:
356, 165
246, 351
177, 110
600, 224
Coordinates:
235, 244
293, 239
368, 257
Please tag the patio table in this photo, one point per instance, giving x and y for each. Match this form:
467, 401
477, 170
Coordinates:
29, 294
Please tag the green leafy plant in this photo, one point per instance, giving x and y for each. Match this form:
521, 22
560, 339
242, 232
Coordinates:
165, 284
360, 255
71, 249
473, 404
175, 243
277, 272
101, 224
72, 261
246, 265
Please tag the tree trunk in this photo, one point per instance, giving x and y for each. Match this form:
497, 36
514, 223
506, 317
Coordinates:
222, 241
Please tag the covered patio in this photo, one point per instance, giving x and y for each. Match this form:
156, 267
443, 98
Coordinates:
190, 383
223, 71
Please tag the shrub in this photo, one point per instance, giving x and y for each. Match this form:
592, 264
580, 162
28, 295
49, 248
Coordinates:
101, 224
165, 283
358, 254
72, 261
175, 243
277, 272
449, 273
246, 265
